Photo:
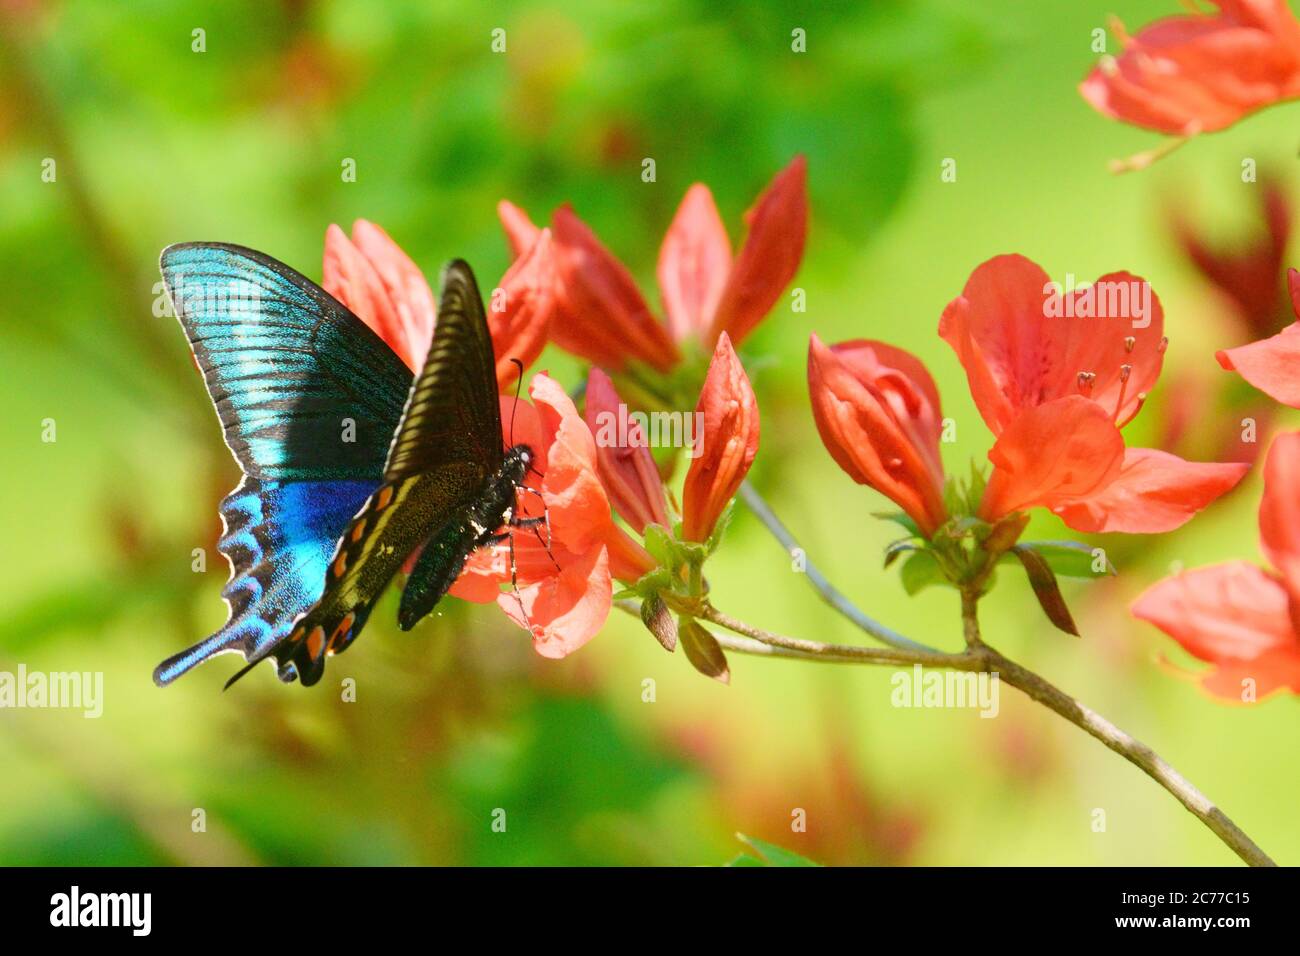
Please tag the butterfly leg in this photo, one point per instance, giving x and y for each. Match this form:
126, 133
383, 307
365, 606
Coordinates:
534, 523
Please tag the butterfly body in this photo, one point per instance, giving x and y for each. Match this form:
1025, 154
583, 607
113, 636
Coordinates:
447, 551
351, 464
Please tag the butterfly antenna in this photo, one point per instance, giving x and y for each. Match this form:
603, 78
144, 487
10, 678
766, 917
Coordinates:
518, 384
242, 671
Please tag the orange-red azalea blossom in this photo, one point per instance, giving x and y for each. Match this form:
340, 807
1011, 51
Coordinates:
373, 277
601, 314
1201, 72
1272, 365
1056, 373
877, 411
626, 467
1237, 616
728, 443
566, 593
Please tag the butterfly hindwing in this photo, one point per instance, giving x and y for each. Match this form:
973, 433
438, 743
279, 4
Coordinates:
308, 397
443, 453
278, 538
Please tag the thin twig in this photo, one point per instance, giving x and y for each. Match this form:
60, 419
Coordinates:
829, 593
980, 657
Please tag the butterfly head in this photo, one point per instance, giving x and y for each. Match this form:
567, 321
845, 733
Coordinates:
517, 464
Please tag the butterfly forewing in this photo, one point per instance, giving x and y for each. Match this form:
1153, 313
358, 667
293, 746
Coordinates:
303, 388
452, 413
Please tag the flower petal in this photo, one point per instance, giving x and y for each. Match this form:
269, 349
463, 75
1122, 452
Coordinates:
520, 231
1246, 269
769, 257
352, 279
1279, 510
579, 509
877, 411
1051, 454
1272, 365
519, 329
1153, 492
727, 445
1189, 75
564, 611
626, 466
694, 262
1024, 342
604, 317
1232, 615
407, 290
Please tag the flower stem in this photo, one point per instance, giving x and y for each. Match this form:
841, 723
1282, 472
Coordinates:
980, 657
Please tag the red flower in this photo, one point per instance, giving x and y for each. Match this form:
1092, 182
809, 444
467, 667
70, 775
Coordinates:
877, 410
1272, 365
373, 277
602, 316
1055, 375
1196, 74
1247, 273
566, 593
1237, 616
626, 467
727, 443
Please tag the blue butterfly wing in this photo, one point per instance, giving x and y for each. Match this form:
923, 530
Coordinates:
308, 398
279, 537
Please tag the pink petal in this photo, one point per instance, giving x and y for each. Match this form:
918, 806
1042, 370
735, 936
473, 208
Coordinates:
1153, 492
567, 610
1232, 615
694, 262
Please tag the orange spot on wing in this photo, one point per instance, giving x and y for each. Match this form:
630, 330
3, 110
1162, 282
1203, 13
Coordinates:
340, 564
341, 632
316, 642
384, 498
357, 532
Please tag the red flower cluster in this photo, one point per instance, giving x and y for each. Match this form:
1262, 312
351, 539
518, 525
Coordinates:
1055, 375
601, 316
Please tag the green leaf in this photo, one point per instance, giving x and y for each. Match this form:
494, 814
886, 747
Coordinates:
1043, 581
1074, 559
770, 854
744, 859
898, 548
920, 571
900, 518
703, 651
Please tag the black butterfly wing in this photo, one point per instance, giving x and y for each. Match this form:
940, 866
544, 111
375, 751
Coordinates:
442, 455
293, 375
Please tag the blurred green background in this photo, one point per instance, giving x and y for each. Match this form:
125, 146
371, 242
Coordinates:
155, 144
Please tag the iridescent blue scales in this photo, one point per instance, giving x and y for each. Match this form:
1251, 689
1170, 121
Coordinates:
350, 464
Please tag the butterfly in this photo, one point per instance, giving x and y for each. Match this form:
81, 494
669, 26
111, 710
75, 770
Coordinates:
350, 464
